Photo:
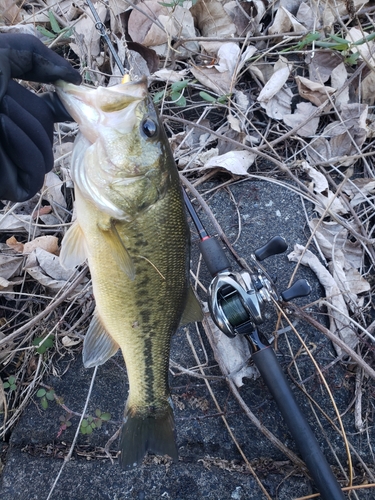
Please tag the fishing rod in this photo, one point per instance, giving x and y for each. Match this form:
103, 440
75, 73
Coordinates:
237, 300
103, 33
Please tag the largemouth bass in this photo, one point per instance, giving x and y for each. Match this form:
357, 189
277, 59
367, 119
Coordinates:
131, 226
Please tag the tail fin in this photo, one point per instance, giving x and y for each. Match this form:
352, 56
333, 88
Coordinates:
142, 434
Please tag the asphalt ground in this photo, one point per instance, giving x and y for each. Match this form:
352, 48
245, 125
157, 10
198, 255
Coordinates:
210, 465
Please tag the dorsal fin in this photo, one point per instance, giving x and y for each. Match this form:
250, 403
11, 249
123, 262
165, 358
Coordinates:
98, 345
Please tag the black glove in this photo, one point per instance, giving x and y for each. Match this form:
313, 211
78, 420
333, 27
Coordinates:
26, 120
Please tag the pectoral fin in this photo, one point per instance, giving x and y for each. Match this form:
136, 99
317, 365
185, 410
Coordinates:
98, 345
118, 250
193, 310
73, 247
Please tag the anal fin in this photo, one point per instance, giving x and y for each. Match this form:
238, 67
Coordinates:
192, 311
98, 345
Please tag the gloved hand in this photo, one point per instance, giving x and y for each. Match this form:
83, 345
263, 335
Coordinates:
26, 120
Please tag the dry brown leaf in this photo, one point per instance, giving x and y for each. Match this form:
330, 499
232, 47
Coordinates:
322, 192
183, 27
358, 190
350, 282
303, 110
335, 9
10, 264
176, 22
274, 84
308, 16
322, 65
355, 283
48, 243
236, 162
47, 264
221, 77
279, 105
339, 76
69, 341
52, 192
4, 283
275, 97
211, 78
212, 20
245, 15
344, 257
368, 89
234, 122
346, 136
45, 268
340, 323
242, 100
142, 29
232, 355
10, 12
285, 22
45, 210
313, 91
320, 183
10, 223
169, 75
6, 286
333, 237
14, 244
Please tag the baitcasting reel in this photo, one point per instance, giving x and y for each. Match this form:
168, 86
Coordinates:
237, 299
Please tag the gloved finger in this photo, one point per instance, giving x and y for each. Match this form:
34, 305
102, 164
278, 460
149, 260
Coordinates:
31, 104
9, 187
22, 166
26, 57
32, 116
4, 74
57, 108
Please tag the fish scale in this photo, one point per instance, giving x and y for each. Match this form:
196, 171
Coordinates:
131, 226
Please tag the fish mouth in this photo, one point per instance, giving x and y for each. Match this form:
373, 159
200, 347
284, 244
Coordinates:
108, 99
95, 107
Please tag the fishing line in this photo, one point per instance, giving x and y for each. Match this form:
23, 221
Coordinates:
103, 32
68, 457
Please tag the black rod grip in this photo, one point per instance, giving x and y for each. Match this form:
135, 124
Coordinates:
214, 256
308, 446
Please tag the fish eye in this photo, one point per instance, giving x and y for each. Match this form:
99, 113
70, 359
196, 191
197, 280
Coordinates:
149, 127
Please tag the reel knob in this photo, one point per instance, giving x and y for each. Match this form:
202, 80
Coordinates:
274, 246
300, 288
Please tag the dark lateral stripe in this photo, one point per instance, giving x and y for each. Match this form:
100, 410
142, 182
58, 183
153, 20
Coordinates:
149, 372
